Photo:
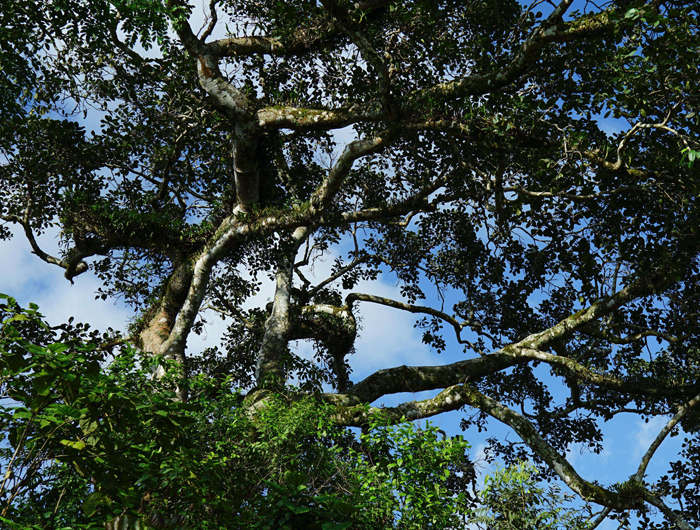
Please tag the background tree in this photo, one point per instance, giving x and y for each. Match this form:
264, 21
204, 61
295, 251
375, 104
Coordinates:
513, 500
460, 146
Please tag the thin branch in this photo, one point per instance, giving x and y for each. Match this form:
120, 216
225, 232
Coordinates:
213, 19
340, 272
600, 518
351, 28
682, 411
629, 338
458, 326
232, 311
72, 263
570, 196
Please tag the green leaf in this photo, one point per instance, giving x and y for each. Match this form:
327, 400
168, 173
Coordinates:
74, 444
94, 501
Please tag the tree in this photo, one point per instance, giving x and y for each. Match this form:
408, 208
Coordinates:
513, 500
460, 146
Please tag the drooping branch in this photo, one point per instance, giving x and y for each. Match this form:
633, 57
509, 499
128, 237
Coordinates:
654, 500
458, 326
73, 262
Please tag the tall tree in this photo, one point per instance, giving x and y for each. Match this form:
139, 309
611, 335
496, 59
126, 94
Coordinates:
535, 165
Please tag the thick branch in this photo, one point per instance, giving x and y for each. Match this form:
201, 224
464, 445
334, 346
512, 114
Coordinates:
298, 42
478, 84
458, 396
415, 379
668, 512
224, 94
324, 195
420, 378
268, 369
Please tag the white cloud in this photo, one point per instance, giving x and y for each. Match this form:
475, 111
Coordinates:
646, 433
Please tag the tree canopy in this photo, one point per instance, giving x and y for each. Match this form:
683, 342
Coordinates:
527, 175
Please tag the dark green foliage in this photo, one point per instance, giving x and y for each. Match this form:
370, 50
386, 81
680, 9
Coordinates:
85, 443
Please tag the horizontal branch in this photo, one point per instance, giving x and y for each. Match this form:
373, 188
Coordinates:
415, 309
420, 378
296, 42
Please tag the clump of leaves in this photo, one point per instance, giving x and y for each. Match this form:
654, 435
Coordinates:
513, 499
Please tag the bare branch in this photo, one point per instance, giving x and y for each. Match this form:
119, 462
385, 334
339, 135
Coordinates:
682, 411
458, 326
73, 262
213, 19
342, 271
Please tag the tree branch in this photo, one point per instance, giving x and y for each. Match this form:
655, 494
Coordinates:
268, 368
416, 379
351, 28
682, 411
458, 326
73, 262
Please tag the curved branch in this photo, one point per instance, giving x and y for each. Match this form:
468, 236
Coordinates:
526, 56
73, 262
682, 411
458, 396
458, 326
334, 327
213, 19
324, 195
419, 378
